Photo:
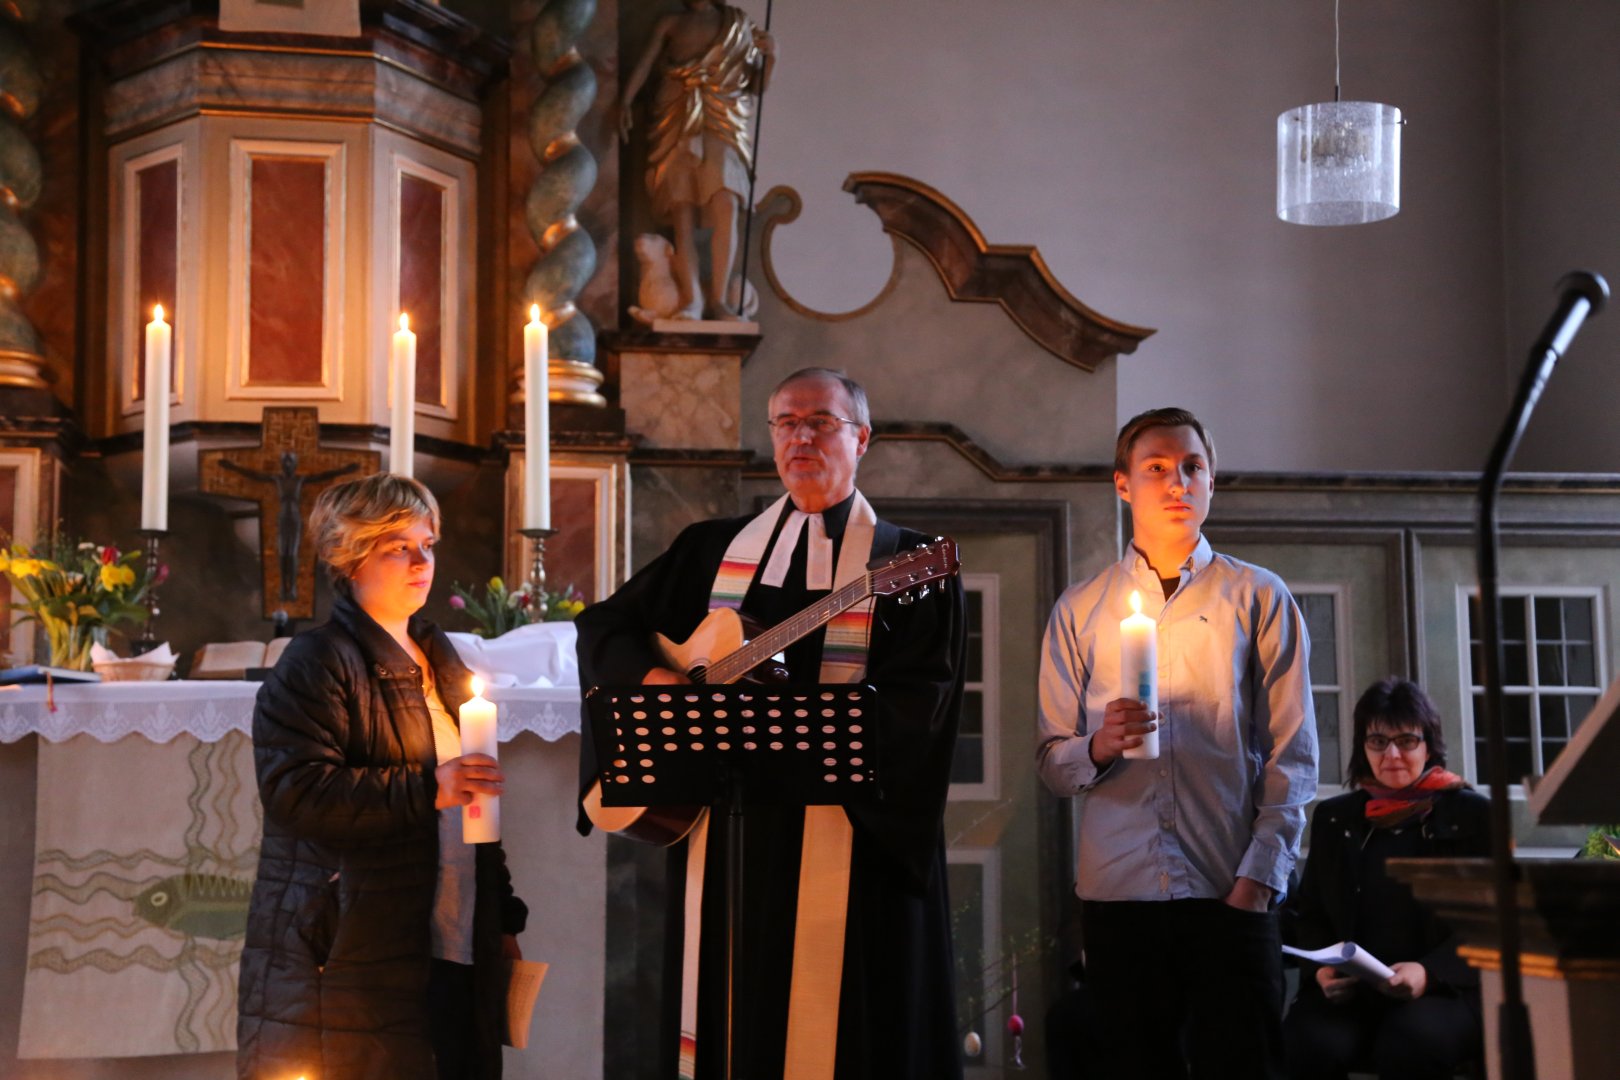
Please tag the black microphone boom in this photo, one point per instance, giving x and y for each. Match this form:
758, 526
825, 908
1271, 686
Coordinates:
1580, 295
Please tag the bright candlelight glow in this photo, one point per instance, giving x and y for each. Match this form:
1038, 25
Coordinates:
155, 436
536, 422
1139, 669
481, 818
402, 403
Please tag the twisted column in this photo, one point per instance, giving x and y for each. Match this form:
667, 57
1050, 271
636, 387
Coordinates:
20, 87
567, 174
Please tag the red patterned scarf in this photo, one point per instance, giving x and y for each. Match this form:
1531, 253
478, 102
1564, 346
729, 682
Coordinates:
1389, 807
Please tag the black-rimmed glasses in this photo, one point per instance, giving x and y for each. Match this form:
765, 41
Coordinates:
1406, 743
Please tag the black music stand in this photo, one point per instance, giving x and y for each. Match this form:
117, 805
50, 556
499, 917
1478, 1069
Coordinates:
729, 746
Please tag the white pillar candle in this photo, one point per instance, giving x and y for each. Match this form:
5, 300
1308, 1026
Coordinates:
402, 416
481, 818
1139, 669
536, 423
155, 455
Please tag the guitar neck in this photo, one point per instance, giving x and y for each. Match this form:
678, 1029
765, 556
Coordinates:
731, 668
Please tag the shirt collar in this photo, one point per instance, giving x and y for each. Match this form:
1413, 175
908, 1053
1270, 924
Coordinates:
1201, 556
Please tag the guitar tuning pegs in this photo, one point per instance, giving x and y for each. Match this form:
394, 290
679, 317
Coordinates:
905, 599
922, 590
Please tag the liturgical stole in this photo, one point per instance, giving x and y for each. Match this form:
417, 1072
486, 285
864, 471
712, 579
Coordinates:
823, 904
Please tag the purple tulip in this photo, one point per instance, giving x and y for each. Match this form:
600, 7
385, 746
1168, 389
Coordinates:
457, 602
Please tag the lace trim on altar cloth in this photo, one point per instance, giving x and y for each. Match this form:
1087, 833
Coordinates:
208, 710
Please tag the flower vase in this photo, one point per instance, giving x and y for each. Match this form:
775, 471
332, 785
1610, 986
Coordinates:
70, 644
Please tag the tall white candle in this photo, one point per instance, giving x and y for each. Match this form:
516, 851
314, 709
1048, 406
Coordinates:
155, 456
402, 417
481, 818
1139, 669
536, 423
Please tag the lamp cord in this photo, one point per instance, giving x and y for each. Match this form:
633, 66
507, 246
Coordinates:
1335, 50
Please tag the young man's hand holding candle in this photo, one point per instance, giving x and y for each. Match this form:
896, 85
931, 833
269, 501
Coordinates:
1126, 723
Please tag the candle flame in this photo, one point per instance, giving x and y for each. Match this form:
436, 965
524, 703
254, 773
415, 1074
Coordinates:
1136, 602
404, 321
477, 686
157, 312
534, 313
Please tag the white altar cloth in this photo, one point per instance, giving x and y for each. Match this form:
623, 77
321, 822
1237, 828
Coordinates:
209, 708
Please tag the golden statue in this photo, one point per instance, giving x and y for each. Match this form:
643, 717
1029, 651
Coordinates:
716, 63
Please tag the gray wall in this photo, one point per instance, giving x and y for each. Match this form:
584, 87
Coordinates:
1134, 144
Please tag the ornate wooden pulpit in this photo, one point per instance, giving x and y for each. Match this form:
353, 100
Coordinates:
1569, 914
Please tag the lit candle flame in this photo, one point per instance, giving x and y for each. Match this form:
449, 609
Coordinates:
157, 312
534, 313
1136, 602
404, 321
477, 686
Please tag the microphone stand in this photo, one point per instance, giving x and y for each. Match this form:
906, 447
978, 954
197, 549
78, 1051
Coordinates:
1581, 294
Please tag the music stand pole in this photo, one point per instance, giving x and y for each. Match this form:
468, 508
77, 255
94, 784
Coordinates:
734, 908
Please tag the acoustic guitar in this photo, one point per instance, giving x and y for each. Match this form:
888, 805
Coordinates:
725, 648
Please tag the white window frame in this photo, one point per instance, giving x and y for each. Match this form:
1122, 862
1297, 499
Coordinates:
1341, 663
989, 690
1595, 593
989, 859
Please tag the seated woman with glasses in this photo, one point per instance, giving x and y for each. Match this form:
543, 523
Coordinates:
1425, 1021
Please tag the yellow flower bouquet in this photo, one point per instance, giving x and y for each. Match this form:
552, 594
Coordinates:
77, 592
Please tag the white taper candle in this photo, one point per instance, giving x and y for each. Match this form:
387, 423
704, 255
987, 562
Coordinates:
155, 455
536, 423
402, 415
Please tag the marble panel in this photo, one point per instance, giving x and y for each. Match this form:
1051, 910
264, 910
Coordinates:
571, 554
157, 203
286, 270
682, 400
668, 499
421, 279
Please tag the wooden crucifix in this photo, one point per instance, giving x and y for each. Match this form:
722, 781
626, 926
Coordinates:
284, 474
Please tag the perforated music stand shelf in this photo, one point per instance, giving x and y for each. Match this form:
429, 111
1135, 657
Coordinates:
681, 745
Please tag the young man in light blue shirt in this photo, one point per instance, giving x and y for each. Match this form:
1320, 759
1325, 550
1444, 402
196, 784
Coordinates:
1182, 859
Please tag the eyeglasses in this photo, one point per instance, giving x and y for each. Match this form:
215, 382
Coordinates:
819, 425
1377, 744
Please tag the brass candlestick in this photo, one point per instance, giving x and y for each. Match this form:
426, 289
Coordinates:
537, 564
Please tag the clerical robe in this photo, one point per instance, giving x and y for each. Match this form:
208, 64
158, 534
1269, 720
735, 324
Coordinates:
896, 1016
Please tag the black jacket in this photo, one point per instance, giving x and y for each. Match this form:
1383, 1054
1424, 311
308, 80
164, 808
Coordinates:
1322, 911
335, 965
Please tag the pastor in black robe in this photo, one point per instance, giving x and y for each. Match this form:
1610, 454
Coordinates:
897, 1011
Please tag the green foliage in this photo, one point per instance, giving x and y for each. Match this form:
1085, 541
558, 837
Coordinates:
1603, 842
500, 609
77, 590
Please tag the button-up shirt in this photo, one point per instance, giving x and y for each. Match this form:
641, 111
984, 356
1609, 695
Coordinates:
1226, 797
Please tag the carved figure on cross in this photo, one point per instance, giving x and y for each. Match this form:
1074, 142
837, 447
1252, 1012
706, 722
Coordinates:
283, 475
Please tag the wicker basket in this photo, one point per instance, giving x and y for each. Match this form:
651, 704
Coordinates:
134, 671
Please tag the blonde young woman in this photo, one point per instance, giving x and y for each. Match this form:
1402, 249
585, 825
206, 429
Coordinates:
375, 935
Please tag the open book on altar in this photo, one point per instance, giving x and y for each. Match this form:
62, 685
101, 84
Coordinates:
236, 659
1349, 958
